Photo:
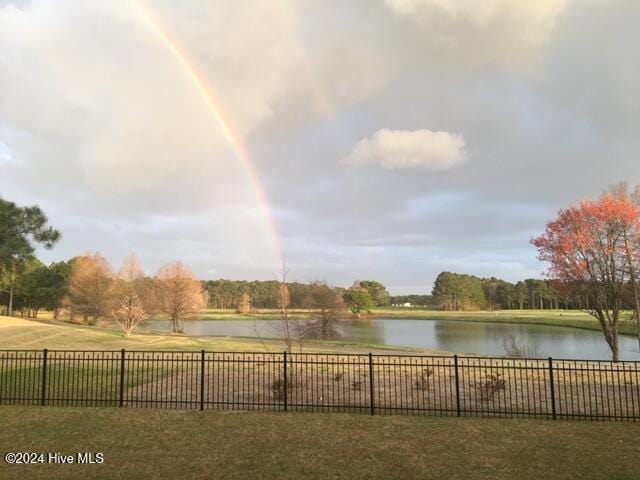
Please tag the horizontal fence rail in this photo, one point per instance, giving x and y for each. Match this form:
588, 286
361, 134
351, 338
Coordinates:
372, 384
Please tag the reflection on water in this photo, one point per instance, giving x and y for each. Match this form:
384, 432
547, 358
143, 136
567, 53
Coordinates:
465, 337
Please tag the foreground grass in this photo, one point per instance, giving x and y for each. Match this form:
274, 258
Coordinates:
173, 444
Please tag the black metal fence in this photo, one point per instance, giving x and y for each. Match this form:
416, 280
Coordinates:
375, 384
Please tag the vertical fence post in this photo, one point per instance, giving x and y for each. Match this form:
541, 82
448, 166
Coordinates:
553, 389
43, 397
122, 353
286, 381
202, 381
455, 364
371, 385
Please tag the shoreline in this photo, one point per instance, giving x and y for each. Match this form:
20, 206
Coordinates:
552, 318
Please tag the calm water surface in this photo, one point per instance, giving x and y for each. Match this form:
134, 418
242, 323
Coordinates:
453, 336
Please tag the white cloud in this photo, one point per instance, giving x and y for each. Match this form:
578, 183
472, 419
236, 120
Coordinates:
409, 150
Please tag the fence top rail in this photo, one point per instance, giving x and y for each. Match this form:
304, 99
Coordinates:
555, 361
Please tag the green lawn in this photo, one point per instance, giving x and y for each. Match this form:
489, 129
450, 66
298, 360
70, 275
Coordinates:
176, 444
76, 380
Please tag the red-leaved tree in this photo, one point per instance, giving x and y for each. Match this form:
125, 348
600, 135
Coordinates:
591, 248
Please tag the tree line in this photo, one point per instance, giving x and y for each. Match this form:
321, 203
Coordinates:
228, 294
459, 292
89, 289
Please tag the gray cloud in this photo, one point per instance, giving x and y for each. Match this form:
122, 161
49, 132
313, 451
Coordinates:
102, 126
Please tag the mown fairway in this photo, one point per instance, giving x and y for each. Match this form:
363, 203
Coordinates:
171, 444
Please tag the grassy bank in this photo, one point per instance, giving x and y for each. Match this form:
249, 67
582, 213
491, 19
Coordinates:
18, 333
171, 444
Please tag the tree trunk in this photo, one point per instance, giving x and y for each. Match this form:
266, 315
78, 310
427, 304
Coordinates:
615, 350
10, 311
634, 286
176, 324
611, 336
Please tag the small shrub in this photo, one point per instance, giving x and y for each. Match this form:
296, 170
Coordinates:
491, 385
277, 388
338, 377
422, 383
356, 385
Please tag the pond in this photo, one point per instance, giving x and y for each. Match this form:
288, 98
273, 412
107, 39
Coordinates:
481, 338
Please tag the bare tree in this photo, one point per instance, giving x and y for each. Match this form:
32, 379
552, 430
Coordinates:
180, 293
328, 308
134, 296
286, 328
90, 287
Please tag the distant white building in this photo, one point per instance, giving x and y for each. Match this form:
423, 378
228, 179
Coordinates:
406, 304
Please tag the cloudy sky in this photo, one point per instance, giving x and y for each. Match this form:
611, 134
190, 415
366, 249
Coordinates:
393, 138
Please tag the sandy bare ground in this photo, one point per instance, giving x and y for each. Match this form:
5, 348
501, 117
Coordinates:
406, 384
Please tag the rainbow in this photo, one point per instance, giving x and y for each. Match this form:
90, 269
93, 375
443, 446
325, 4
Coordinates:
221, 117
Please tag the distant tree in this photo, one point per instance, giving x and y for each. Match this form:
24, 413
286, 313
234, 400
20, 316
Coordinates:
521, 294
328, 307
287, 328
359, 301
377, 291
180, 293
227, 294
244, 307
57, 286
505, 295
90, 291
585, 247
22, 281
459, 292
42, 287
20, 228
134, 296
